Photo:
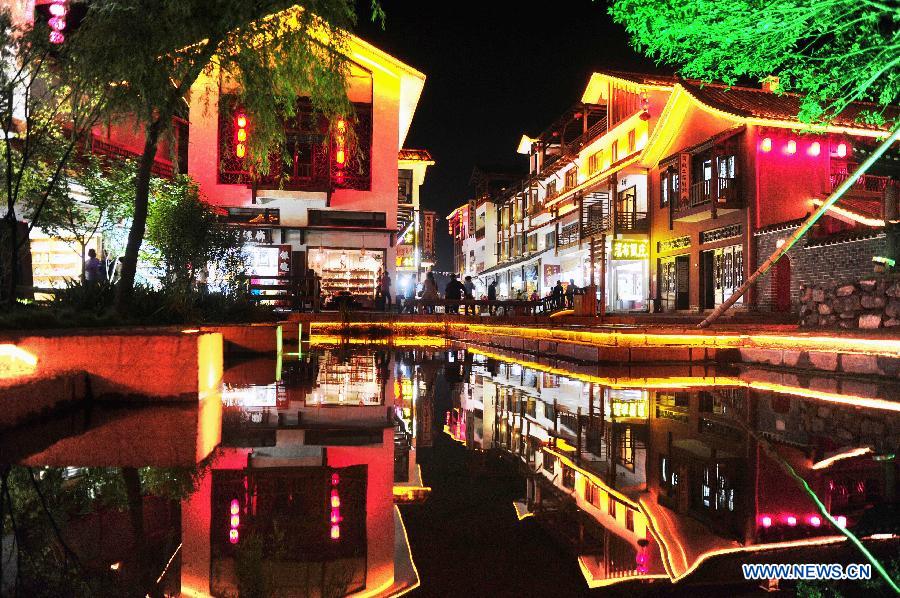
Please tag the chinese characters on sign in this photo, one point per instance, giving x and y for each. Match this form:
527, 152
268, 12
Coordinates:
684, 178
260, 236
625, 249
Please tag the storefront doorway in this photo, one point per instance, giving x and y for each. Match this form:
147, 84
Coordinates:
721, 273
674, 282
781, 285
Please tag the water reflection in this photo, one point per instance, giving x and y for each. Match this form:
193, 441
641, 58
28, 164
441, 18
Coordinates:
283, 483
651, 482
285, 480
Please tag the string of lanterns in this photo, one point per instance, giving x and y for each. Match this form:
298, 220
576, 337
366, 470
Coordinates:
58, 13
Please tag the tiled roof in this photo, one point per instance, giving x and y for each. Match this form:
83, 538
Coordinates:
419, 155
748, 101
642, 78
865, 207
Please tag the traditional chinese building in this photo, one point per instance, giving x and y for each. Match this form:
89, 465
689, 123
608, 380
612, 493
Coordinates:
581, 214
415, 227
329, 208
733, 173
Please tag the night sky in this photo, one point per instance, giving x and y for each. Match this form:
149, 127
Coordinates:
495, 70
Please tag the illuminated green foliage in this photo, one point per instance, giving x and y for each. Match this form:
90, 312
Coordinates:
832, 51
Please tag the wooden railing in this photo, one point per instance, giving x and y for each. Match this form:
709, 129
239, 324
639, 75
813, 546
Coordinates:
637, 222
867, 182
702, 192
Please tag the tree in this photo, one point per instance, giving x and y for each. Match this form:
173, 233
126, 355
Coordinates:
106, 191
834, 52
186, 236
46, 115
270, 50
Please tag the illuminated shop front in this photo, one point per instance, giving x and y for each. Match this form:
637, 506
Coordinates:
627, 275
354, 271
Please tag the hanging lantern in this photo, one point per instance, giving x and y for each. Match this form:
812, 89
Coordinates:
240, 126
645, 106
57, 23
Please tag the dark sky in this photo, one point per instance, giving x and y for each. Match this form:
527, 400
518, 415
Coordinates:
495, 70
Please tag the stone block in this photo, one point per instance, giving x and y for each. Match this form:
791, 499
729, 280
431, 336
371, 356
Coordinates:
854, 363
868, 284
871, 301
824, 309
870, 321
845, 290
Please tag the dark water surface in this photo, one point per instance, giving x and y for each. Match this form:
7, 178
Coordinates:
440, 471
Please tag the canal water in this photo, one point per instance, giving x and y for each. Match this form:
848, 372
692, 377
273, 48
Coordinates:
439, 470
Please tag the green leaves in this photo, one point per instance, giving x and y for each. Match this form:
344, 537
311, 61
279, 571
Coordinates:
832, 51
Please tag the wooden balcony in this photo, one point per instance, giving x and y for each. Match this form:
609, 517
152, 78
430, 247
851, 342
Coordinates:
632, 222
866, 186
720, 193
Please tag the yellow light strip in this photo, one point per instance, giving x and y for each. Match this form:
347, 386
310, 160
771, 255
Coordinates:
851, 215
593, 583
857, 452
782, 124
593, 180
520, 514
701, 382
592, 477
411, 560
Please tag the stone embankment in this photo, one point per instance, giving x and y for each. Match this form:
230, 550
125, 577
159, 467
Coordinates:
866, 304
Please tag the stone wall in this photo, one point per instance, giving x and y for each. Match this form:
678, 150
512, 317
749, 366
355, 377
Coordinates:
815, 263
868, 303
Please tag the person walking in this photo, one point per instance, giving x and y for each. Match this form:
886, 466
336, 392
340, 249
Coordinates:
492, 295
385, 285
92, 267
429, 292
469, 288
454, 292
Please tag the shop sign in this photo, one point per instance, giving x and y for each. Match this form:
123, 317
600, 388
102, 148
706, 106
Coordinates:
684, 178
627, 249
551, 274
260, 236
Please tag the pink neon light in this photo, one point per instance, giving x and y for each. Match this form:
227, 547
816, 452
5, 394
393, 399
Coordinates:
766, 521
335, 479
56, 37
235, 506
791, 147
814, 149
841, 521
841, 150
815, 521
233, 536
766, 145
57, 10
791, 520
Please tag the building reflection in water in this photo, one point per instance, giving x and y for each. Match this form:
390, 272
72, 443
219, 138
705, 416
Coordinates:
651, 482
287, 480
295, 493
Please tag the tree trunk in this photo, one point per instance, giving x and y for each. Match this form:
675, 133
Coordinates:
13, 257
139, 223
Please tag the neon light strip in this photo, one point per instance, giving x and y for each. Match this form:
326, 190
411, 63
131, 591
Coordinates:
858, 452
701, 382
851, 215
